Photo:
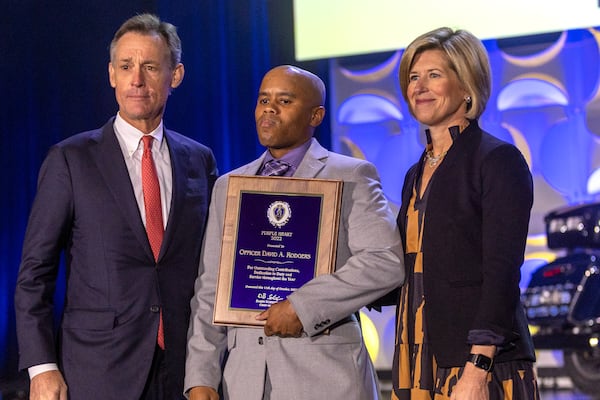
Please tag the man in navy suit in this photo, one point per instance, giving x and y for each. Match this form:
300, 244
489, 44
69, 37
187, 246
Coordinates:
120, 285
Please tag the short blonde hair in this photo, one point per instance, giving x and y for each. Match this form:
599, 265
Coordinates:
467, 57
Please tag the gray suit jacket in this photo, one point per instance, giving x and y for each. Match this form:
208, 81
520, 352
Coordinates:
333, 366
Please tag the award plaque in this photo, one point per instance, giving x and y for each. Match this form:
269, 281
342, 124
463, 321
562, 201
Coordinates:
278, 234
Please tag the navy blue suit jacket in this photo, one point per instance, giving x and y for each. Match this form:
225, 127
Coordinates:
474, 236
85, 207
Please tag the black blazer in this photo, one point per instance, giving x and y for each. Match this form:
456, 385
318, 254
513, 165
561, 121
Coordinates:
85, 206
474, 237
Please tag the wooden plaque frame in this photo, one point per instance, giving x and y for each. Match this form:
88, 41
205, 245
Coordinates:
330, 193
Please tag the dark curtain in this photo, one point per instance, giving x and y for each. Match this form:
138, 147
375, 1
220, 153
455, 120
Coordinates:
54, 83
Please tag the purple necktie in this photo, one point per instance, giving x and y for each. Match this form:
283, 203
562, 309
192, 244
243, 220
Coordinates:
275, 168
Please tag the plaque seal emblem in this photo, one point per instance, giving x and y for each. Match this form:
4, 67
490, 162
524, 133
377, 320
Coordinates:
279, 213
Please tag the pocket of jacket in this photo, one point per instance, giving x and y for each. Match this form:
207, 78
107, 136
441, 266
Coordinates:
96, 320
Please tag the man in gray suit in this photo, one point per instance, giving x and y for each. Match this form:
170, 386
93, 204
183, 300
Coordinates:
311, 346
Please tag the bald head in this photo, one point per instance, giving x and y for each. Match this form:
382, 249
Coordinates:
313, 85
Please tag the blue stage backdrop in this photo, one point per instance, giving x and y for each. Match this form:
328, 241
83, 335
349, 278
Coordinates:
54, 83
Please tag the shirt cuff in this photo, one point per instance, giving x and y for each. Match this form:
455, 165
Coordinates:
484, 337
38, 369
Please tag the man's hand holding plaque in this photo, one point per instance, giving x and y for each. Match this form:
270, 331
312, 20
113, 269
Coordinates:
281, 320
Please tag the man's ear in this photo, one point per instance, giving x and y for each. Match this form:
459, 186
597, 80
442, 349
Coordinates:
111, 75
318, 113
177, 76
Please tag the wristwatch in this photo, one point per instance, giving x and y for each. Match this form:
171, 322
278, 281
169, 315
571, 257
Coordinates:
481, 361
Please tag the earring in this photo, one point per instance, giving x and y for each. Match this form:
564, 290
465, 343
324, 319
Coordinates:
468, 99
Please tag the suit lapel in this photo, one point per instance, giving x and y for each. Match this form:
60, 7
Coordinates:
313, 162
113, 169
252, 167
179, 155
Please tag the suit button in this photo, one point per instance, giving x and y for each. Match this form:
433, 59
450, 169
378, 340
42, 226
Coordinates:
154, 309
327, 321
260, 340
317, 326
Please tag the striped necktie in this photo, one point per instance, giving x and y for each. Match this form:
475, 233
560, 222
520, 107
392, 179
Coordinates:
275, 168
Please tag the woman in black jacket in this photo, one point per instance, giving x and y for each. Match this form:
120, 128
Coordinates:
462, 332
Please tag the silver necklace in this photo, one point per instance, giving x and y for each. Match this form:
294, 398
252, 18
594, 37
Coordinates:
433, 160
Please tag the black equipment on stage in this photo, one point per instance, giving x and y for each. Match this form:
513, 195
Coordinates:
562, 299
574, 227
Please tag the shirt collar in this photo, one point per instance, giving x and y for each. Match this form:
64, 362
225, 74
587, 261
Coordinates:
293, 157
454, 131
131, 136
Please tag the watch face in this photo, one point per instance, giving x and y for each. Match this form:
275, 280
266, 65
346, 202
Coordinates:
484, 364
481, 361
